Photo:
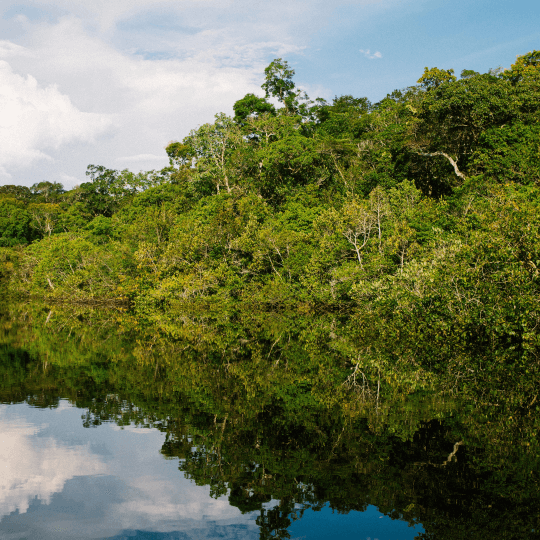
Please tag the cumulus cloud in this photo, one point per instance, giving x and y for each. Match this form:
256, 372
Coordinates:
132, 105
36, 118
367, 54
100, 82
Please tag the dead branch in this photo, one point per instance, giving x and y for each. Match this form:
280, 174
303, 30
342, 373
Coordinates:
452, 162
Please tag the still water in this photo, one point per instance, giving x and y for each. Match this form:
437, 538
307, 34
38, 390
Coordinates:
202, 427
63, 481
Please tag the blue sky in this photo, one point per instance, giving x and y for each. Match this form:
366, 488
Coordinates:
111, 82
457, 34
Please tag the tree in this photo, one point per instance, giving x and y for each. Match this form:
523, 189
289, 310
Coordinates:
346, 103
180, 154
96, 193
212, 144
467, 73
279, 84
251, 106
21, 193
380, 206
48, 192
445, 129
434, 77
44, 217
359, 222
524, 66
342, 118
109, 189
14, 223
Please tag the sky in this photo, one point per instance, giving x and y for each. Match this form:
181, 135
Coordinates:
112, 82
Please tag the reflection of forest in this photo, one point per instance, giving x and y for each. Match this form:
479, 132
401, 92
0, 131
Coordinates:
263, 407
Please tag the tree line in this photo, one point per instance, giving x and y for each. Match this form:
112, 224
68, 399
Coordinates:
426, 201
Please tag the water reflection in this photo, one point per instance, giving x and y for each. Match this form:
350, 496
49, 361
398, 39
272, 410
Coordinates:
116, 426
36, 466
62, 481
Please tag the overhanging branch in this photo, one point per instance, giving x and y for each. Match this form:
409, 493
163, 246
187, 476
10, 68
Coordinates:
453, 163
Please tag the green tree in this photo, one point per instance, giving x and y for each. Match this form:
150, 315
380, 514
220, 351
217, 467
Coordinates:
526, 65
251, 105
48, 192
16, 192
15, 227
435, 77
45, 217
279, 84
213, 144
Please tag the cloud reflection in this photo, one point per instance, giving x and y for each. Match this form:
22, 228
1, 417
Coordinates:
37, 467
54, 486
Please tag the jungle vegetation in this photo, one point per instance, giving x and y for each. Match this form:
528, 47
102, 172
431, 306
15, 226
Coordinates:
431, 193
418, 216
316, 301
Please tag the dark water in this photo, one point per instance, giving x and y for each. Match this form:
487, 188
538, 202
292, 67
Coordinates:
244, 427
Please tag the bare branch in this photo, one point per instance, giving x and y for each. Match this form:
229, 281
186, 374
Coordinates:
452, 162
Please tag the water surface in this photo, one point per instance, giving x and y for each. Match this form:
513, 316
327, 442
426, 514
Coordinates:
62, 480
203, 427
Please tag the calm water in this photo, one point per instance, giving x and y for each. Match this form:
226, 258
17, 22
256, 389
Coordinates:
204, 428
61, 480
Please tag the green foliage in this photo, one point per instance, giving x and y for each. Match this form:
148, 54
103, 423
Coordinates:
434, 77
180, 154
527, 66
68, 264
15, 225
411, 225
47, 192
16, 192
466, 73
251, 105
279, 84
510, 153
324, 206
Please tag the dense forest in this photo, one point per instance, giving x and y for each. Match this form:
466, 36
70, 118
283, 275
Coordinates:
425, 202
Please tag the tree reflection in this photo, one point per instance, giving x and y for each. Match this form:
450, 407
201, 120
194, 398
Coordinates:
256, 408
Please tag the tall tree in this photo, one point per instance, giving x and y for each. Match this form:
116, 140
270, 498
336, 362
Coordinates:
279, 84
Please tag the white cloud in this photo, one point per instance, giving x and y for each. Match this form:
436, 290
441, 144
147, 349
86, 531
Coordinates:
135, 104
36, 118
110, 79
8, 49
68, 180
301, 15
144, 158
367, 54
37, 467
